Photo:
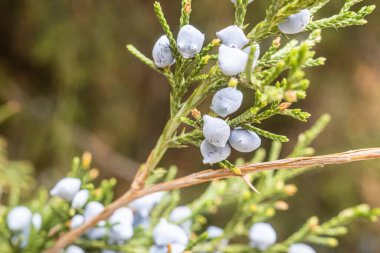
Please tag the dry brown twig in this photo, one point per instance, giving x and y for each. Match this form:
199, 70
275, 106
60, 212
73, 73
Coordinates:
137, 188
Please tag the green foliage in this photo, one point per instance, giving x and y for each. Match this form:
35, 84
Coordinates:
325, 234
344, 18
142, 58
15, 176
240, 12
272, 136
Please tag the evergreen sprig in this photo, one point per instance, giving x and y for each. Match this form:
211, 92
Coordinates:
269, 135
185, 12
343, 19
325, 234
147, 61
165, 26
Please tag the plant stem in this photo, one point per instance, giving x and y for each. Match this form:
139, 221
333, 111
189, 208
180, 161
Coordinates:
171, 127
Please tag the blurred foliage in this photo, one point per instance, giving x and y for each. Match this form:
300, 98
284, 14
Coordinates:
65, 64
15, 176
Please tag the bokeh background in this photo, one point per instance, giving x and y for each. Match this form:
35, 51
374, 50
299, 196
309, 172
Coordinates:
64, 66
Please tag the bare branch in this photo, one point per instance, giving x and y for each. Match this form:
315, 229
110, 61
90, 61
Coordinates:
210, 175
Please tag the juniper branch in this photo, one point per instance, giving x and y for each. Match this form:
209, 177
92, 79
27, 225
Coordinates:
211, 175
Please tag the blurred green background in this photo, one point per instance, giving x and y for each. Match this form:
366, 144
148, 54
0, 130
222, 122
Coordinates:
64, 63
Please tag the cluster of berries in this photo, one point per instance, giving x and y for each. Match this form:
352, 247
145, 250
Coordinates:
217, 133
232, 60
118, 228
233, 53
171, 234
174, 231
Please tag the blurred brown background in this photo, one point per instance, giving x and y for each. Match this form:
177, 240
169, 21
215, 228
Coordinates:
66, 64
